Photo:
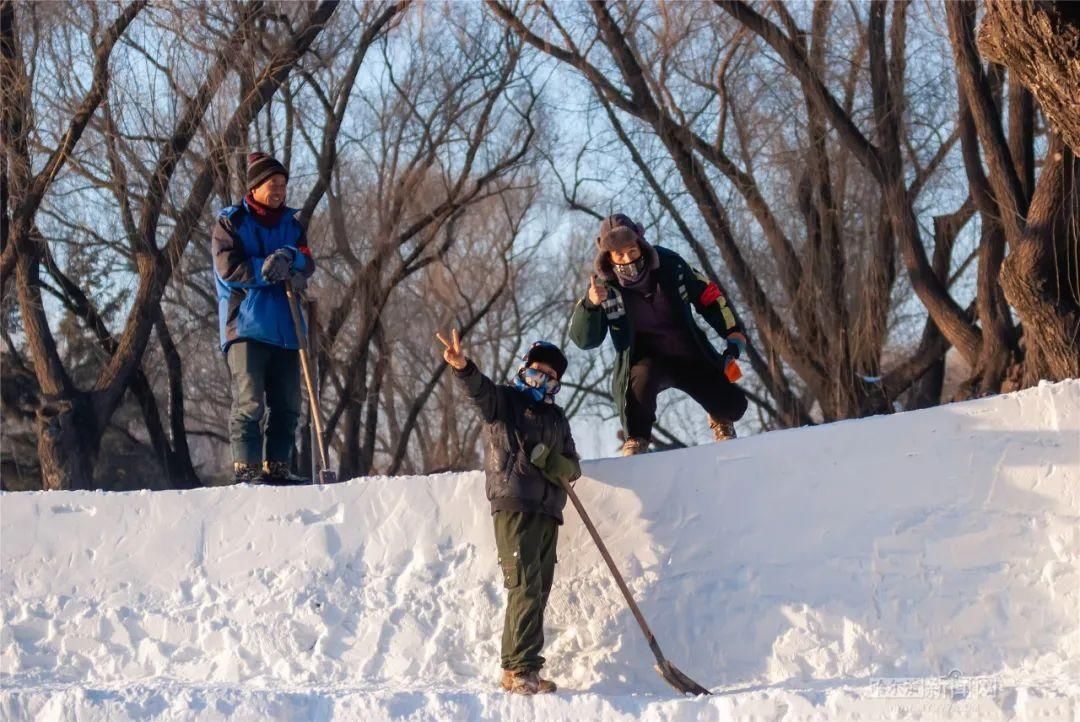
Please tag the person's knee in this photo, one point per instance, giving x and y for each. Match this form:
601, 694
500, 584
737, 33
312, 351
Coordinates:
248, 412
284, 417
642, 393
533, 579
285, 407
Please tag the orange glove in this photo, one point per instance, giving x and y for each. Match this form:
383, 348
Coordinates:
732, 371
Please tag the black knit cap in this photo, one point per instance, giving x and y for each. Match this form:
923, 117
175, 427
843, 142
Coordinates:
547, 353
261, 167
618, 232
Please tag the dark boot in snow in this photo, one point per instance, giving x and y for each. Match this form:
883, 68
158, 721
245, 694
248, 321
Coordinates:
277, 473
634, 446
722, 430
544, 686
244, 473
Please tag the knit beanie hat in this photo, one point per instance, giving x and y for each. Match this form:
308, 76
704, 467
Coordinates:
618, 233
547, 353
261, 167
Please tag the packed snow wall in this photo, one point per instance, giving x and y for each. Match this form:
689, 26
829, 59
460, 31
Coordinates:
915, 545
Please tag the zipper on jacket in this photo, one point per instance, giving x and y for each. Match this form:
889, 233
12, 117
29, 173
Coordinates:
543, 477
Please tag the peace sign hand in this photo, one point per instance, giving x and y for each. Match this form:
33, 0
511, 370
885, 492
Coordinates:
453, 354
597, 292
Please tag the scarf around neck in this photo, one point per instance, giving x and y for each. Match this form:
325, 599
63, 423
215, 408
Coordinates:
265, 215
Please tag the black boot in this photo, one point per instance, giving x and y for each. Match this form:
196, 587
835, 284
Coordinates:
245, 473
276, 473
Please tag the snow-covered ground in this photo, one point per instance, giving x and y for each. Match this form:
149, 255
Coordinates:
917, 566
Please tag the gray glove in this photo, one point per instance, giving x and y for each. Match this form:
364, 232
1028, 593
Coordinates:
298, 281
278, 265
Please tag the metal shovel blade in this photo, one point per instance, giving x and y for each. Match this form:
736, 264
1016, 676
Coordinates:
327, 476
674, 676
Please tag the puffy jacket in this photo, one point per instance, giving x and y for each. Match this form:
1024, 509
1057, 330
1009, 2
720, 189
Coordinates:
514, 425
250, 308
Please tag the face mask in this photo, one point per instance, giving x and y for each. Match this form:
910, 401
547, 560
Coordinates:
537, 384
629, 272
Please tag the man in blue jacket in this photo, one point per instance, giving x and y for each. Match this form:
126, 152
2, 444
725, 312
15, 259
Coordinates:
258, 245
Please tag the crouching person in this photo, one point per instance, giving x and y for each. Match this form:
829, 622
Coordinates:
529, 449
642, 295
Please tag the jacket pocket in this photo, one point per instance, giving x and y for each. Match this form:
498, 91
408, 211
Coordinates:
246, 321
511, 572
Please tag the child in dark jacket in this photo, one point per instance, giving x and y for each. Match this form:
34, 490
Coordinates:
529, 454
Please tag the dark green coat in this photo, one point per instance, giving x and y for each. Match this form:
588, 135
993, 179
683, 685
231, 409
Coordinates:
686, 289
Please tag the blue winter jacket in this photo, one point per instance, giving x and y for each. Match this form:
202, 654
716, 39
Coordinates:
249, 307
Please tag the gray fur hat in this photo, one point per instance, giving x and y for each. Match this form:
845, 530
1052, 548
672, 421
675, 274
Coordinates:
618, 232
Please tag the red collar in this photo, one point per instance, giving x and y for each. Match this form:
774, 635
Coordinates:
265, 215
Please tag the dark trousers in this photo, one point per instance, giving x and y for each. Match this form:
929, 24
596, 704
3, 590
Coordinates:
526, 543
700, 379
264, 378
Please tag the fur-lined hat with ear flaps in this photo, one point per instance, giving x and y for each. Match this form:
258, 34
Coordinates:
618, 232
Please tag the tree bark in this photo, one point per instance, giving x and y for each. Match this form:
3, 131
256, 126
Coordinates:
1040, 44
1041, 275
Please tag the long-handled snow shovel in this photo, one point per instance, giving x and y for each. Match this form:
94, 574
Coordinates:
671, 674
326, 474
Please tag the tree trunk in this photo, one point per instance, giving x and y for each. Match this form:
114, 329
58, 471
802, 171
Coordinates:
64, 445
926, 392
1041, 275
181, 469
1040, 44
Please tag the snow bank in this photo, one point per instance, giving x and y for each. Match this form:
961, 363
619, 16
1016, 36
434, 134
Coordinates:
841, 571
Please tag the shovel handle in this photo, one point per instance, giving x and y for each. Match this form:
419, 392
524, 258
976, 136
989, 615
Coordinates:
305, 366
653, 645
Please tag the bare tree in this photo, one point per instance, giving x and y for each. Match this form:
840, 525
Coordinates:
448, 128
827, 316
867, 216
1040, 44
71, 419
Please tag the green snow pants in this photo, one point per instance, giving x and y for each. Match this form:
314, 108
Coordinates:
526, 545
